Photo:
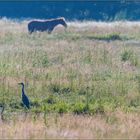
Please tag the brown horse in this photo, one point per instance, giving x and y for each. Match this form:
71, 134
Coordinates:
45, 25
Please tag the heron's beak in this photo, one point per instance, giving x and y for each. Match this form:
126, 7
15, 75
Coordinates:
19, 83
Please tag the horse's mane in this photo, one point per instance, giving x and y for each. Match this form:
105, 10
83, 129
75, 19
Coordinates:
59, 18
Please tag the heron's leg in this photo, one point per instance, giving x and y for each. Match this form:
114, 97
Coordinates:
2, 116
25, 113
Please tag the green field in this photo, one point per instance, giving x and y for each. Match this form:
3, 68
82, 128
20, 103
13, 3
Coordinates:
88, 69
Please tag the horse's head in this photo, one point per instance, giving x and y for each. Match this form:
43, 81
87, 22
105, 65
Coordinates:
63, 22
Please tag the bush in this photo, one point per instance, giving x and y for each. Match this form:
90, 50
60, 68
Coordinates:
62, 107
50, 100
80, 108
55, 88
126, 55
129, 55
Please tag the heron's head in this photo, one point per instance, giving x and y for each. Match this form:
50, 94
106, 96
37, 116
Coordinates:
21, 83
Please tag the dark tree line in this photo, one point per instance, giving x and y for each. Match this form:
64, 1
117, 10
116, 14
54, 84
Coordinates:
72, 10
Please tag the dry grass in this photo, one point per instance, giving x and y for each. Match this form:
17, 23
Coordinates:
112, 125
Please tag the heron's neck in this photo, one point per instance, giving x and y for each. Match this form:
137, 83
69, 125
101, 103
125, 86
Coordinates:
23, 89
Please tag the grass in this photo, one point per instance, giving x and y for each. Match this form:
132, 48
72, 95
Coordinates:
89, 68
67, 126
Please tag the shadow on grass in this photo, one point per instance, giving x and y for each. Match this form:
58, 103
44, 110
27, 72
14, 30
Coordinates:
107, 37
102, 37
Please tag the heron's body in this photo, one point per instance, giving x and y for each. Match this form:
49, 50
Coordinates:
1, 112
25, 99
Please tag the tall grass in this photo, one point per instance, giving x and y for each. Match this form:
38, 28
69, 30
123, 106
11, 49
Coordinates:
58, 68
91, 68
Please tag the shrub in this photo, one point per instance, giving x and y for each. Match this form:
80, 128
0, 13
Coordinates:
62, 107
55, 88
80, 108
126, 55
129, 55
50, 100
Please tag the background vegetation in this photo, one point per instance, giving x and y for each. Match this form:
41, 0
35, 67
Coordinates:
83, 69
90, 71
99, 10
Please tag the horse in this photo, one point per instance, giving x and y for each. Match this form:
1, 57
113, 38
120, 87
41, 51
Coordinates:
45, 25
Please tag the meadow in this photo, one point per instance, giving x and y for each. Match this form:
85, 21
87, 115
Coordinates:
82, 82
